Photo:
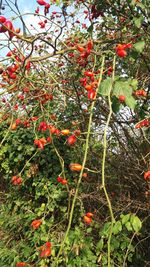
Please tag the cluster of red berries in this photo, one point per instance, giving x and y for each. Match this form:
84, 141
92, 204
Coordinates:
88, 218
16, 180
42, 23
61, 180
72, 139
46, 7
42, 142
109, 70
144, 123
90, 84
45, 250
140, 92
43, 98
85, 52
121, 49
21, 264
14, 53
36, 224
147, 175
7, 26
42, 126
25, 123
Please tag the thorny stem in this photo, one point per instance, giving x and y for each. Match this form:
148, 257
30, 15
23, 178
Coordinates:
103, 164
81, 173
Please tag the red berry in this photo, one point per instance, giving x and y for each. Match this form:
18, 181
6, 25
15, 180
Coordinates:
91, 94
89, 73
89, 45
71, 140
36, 224
45, 253
121, 98
7, 25
80, 48
41, 2
147, 175
21, 264
129, 45
2, 19
59, 179
89, 214
87, 220
121, 53
64, 181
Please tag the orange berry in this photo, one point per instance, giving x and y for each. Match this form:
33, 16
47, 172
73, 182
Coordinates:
13, 126
65, 132
87, 220
89, 214
75, 167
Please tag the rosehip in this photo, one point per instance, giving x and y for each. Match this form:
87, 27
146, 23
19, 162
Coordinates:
91, 94
89, 214
41, 2
2, 19
89, 73
80, 48
64, 182
147, 175
87, 220
65, 132
71, 140
121, 98
36, 224
75, 167
121, 53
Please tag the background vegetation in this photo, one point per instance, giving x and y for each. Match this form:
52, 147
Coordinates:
75, 89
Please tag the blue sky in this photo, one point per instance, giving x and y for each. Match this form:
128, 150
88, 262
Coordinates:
25, 6
28, 6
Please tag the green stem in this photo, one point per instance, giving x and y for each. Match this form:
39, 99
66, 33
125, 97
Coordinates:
103, 165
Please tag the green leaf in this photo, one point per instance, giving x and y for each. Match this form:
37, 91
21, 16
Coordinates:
140, 5
117, 227
122, 88
125, 218
139, 46
100, 245
115, 105
104, 88
136, 223
19, 147
138, 22
128, 226
106, 229
133, 83
89, 230
115, 243
130, 102
125, 88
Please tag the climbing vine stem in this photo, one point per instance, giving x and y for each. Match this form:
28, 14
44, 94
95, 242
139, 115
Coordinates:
104, 161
